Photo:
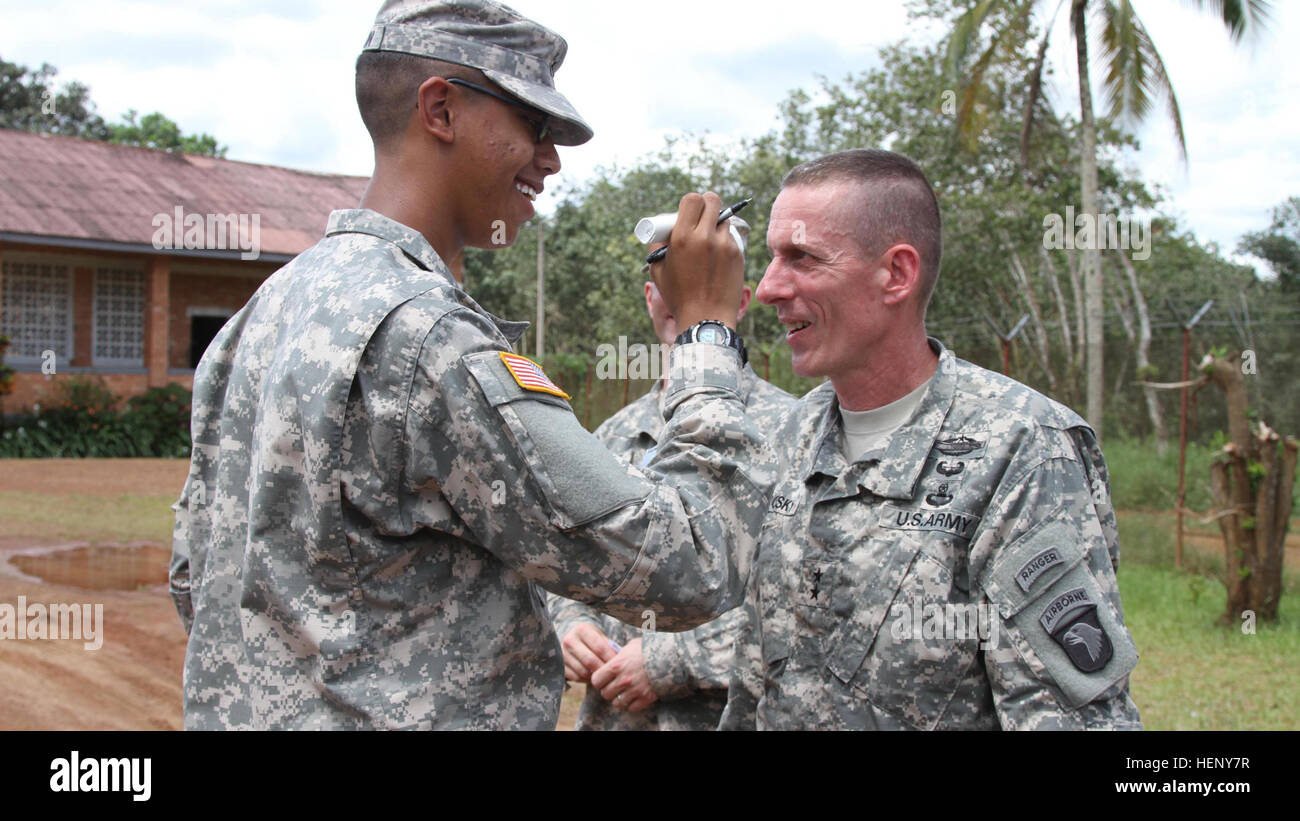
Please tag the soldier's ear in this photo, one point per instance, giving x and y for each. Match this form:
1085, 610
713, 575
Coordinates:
902, 265
436, 113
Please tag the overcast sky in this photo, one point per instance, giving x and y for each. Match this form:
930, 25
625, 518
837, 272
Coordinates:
272, 79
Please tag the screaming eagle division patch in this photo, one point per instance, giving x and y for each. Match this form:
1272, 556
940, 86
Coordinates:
1071, 620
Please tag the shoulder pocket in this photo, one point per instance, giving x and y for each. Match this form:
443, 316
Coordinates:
580, 480
1048, 596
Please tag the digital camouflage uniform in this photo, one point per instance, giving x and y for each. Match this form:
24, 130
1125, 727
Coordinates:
374, 500
991, 501
689, 672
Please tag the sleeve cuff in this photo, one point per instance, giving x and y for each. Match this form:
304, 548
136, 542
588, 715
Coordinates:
701, 367
669, 679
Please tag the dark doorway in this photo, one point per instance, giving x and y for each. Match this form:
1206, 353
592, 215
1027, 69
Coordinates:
202, 331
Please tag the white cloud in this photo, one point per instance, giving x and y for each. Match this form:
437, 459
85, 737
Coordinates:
273, 80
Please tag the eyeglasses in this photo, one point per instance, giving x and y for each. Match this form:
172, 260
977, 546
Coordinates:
542, 127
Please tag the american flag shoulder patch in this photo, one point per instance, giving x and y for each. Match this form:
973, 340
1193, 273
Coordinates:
529, 375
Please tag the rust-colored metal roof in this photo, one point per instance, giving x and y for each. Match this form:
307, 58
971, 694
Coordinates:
66, 187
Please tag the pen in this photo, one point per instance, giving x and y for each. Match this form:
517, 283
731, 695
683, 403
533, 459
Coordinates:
727, 213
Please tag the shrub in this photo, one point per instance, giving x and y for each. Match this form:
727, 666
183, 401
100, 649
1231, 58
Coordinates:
158, 421
83, 422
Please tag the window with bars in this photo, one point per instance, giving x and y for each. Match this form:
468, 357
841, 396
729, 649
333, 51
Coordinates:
119, 317
36, 310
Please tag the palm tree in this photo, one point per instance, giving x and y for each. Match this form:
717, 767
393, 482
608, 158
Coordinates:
1134, 75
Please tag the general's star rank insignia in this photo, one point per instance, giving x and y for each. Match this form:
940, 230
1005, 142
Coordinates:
529, 375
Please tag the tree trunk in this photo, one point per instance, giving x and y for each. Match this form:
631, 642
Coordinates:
1227, 375
1049, 272
1273, 557
1093, 281
1255, 529
1035, 91
1233, 550
1125, 314
1076, 291
1144, 354
1272, 515
1043, 351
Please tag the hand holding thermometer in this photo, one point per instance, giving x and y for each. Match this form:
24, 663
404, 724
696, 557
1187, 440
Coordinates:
657, 229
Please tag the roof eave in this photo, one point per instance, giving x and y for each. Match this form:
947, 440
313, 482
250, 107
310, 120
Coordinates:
81, 243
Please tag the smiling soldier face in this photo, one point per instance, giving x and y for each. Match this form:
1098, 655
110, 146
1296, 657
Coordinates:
824, 287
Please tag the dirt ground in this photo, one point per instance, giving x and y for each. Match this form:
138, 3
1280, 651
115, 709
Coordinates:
133, 681
94, 477
1212, 542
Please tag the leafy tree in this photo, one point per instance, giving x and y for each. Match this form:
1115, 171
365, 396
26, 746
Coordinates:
29, 101
1279, 245
157, 132
1134, 75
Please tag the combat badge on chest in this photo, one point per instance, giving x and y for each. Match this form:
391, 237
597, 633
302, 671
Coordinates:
949, 464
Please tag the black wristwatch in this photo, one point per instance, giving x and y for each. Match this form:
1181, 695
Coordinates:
715, 333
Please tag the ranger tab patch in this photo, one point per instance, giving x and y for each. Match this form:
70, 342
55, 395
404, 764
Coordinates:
529, 375
1034, 568
1071, 620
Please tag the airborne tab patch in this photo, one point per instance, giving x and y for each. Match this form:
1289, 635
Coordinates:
530, 376
1063, 606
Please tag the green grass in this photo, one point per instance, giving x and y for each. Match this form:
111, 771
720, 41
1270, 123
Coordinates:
1143, 479
1194, 674
125, 518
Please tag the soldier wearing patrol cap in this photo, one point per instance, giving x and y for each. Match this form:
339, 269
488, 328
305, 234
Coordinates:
379, 488
940, 550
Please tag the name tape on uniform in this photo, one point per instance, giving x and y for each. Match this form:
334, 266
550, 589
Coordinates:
954, 522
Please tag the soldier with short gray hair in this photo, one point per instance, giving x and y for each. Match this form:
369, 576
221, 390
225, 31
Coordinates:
940, 550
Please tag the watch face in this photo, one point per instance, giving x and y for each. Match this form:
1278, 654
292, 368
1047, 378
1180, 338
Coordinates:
712, 335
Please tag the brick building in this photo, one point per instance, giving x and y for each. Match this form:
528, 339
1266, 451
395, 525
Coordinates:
125, 262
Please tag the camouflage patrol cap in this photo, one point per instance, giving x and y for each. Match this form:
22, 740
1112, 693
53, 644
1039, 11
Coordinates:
514, 52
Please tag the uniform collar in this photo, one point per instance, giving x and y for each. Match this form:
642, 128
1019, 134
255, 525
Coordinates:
365, 221
891, 472
649, 421
415, 246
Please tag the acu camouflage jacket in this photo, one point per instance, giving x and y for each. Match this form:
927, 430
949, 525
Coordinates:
376, 495
960, 577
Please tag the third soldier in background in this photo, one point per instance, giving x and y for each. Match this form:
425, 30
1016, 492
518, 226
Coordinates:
639, 679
